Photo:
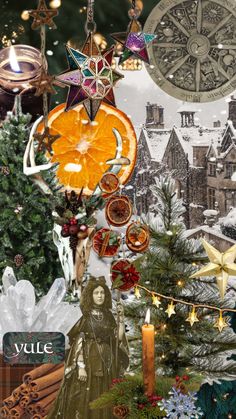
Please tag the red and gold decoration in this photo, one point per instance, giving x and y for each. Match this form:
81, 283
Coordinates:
124, 275
137, 237
134, 41
118, 210
221, 266
106, 242
148, 339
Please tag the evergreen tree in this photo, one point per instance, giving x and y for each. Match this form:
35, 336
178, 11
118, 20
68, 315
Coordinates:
166, 269
26, 214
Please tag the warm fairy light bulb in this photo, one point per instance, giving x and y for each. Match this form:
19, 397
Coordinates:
192, 318
221, 322
156, 301
179, 283
148, 316
54, 4
137, 293
25, 15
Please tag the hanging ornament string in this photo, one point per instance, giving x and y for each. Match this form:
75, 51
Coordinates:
90, 25
44, 70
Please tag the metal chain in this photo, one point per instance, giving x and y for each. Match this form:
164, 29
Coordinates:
90, 25
44, 68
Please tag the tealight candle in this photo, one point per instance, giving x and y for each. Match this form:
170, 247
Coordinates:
19, 65
148, 335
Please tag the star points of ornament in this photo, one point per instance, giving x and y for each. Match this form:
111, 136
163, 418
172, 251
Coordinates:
43, 16
221, 322
192, 318
134, 42
155, 301
43, 84
90, 77
137, 293
50, 139
221, 266
170, 309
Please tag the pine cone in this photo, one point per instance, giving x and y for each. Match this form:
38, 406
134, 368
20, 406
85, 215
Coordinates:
120, 411
5, 170
18, 260
73, 242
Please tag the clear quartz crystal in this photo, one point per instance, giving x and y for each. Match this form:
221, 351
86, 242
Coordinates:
8, 278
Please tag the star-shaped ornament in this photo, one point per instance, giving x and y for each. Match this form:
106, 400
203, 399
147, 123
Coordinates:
221, 266
90, 77
137, 293
192, 318
45, 140
170, 309
43, 84
134, 42
221, 322
155, 301
43, 16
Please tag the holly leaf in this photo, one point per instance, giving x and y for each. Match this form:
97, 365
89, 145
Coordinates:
118, 282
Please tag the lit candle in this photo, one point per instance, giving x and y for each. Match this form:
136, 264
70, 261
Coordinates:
148, 355
19, 65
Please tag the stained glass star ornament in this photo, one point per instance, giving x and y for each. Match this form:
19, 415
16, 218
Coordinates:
134, 42
192, 318
90, 77
43, 16
221, 265
45, 140
170, 309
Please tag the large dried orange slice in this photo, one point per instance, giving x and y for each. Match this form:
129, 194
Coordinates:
118, 210
84, 147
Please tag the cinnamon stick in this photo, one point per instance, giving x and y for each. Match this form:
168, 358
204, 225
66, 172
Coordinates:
10, 401
16, 392
47, 380
41, 406
16, 412
37, 395
104, 243
4, 412
37, 372
38, 416
24, 401
24, 389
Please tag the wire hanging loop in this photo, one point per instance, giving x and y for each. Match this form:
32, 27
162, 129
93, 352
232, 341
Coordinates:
135, 11
90, 25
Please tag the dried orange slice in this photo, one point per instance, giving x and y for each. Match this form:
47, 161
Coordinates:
106, 242
124, 275
118, 210
84, 147
109, 183
137, 237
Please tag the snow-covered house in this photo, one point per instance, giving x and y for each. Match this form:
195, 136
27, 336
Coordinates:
202, 161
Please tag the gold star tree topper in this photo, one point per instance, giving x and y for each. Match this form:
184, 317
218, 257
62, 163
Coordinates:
221, 266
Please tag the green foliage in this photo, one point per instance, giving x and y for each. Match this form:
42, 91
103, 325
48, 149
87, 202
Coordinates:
129, 392
166, 269
26, 214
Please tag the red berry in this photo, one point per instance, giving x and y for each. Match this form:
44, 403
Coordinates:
177, 378
65, 233
141, 406
156, 398
185, 377
73, 230
73, 221
65, 226
154, 404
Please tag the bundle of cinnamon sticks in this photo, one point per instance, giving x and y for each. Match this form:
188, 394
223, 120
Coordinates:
35, 397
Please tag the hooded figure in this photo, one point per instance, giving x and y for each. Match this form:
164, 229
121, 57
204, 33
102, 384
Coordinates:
98, 354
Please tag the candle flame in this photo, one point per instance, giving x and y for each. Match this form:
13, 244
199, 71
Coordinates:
13, 60
148, 315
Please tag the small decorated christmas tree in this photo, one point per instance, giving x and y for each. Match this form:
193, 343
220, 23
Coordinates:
26, 214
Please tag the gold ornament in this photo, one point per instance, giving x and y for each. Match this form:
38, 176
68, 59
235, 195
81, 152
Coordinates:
221, 322
171, 309
192, 318
221, 265
137, 293
155, 301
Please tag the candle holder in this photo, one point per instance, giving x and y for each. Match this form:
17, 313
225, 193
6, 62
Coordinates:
19, 65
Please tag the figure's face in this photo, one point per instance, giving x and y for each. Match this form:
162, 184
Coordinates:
99, 296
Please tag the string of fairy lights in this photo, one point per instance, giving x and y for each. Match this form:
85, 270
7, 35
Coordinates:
192, 318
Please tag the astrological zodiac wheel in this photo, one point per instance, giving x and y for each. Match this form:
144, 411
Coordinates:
194, 55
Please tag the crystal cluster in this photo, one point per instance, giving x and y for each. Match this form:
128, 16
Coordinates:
19, 311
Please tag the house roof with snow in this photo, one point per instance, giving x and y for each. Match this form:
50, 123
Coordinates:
157, 140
